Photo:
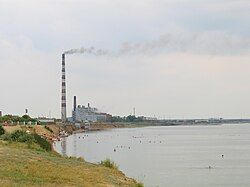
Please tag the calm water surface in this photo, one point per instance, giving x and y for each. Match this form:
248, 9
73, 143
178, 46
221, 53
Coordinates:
170, 156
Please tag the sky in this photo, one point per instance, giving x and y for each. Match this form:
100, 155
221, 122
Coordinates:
167, 58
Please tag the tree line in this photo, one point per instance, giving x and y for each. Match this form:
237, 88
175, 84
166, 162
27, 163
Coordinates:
14, 118
130, 118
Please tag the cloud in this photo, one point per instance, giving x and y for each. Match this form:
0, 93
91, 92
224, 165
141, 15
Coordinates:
171, 54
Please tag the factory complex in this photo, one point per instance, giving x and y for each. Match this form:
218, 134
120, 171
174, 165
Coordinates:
81, 114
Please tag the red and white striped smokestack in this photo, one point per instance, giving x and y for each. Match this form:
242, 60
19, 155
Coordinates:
63, 99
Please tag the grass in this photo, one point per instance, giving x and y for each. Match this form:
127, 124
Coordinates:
27, 160
109, 164
30, 166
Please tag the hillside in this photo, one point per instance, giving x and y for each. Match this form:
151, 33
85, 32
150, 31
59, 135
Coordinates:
25, 166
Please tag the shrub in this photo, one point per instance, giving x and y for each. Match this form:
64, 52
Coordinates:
21, 136
6, 137
80, 159
108, 163
2, 131
139, 185
42, 142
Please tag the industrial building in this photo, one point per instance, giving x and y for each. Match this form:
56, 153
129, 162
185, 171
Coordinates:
81, 113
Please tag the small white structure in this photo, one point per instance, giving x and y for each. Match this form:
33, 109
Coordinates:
45, 120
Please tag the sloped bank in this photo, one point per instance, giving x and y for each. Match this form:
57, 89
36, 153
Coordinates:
28, 164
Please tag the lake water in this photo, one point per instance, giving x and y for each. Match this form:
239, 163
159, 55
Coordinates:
170, 156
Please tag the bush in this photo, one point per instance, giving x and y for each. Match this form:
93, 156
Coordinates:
2, 131
6, 137
21, 136
42, 142
139, 185
108, 163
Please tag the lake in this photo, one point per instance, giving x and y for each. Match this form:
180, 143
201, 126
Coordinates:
171, 155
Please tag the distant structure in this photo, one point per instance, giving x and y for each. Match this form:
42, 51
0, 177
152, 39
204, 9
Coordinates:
149, 118
1, 113
79, 113
63, 98
82, 114
26, 111
74, 107
44, 120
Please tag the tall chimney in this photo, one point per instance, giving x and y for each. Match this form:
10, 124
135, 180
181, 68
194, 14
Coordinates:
74, 103
63, 99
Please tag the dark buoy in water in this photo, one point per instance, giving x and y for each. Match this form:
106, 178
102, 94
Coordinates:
114, 150
222, 156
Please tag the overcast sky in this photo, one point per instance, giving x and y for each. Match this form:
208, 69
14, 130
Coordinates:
167, 58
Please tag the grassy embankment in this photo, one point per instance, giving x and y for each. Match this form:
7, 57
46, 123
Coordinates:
27, 164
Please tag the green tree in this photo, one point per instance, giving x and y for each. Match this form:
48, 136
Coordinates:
130, 118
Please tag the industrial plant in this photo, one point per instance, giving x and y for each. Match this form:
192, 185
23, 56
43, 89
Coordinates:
80, 113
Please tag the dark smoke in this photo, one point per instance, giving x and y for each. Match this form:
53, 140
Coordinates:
90, 50
209, 43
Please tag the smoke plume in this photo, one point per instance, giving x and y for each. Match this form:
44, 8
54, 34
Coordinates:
90, 50
208, 43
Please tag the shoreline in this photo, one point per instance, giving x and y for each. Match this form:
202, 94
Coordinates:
108, 176
53, 169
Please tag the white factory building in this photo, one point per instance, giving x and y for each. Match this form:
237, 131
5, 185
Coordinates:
82, 114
